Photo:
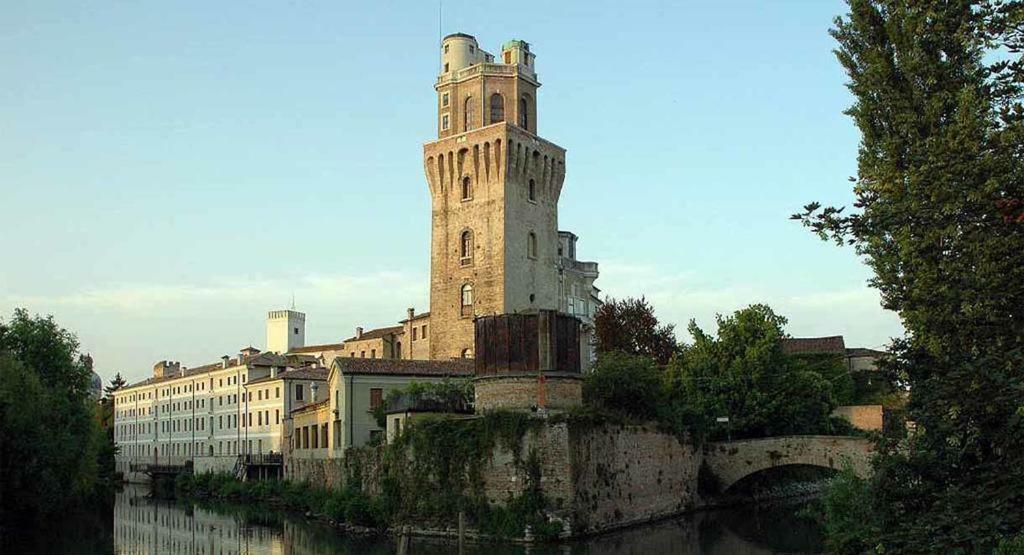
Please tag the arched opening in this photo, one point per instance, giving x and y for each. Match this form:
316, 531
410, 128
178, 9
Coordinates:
531, 245
524, 112
466, 299
467, 188
497, 108
532, 191
466, 248
398, 349
467, 114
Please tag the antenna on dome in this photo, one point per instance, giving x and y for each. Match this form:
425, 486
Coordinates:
293, 301
440, 38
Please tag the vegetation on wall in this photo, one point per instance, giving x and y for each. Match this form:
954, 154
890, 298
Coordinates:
940, 220
448, 395
435, 470
50, 437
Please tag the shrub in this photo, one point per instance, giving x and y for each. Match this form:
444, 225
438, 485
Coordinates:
626, 384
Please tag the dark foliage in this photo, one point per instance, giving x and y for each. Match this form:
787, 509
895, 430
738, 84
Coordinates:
50, 439
940, 219
630, 326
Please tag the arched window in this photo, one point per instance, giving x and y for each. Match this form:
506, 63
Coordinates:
466, 247
467, 299
531, 245
532, 191
467, 188
524, 113
497, 108
467, 114
398, 349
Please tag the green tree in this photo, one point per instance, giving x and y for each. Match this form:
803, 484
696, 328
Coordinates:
744, 375
937, 99
49, 433
116, 383
630, 326
629, 385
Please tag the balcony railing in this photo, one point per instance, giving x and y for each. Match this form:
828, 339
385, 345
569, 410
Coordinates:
493, 69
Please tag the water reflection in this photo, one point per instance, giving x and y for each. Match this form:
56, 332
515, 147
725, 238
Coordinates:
145, 526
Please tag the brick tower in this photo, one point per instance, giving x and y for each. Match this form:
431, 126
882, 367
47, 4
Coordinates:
494, 186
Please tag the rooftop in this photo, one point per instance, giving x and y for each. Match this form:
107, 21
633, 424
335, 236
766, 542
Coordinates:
317, 348
456, 367
318, 373
803, 345
376, 333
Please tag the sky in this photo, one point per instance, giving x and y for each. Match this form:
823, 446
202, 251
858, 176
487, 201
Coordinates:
170, 171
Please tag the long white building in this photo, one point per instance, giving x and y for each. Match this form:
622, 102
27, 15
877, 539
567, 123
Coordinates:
217, 411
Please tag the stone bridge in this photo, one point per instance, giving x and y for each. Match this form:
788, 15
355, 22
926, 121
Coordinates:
731, 461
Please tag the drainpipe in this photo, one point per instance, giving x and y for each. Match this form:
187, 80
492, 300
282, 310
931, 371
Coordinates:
348, 409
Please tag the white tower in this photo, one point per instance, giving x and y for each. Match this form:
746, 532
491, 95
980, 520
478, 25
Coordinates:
286, 330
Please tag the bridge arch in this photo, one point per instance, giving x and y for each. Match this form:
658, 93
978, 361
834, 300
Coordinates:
731, 461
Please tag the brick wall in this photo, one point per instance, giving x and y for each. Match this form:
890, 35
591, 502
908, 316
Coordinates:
508, 392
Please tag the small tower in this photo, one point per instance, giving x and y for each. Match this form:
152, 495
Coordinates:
286, 330
527, 361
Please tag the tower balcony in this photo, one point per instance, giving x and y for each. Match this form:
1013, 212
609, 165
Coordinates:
488, 69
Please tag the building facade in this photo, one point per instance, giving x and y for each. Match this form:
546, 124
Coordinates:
496, 248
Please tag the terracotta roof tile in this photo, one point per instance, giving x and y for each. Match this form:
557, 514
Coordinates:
317, 348
295, 374
456, 367
800, 345
376, 333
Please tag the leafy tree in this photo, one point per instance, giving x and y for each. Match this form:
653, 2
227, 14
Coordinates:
49, 435
630, 385
939, 188
116, 384
744, 375
630, 326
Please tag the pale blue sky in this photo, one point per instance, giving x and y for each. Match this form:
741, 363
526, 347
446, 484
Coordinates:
170, 171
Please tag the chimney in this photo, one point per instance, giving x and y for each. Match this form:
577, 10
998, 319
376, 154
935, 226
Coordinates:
359, 332
273, 371
412, 312
224, 361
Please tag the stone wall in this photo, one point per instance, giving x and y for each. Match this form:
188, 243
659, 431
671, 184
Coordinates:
504, 391
863, 417
215, 464
626, 475
601, 477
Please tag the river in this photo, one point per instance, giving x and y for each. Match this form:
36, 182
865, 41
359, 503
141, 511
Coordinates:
136, 524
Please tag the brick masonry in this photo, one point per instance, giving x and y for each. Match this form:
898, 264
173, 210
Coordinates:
508, 392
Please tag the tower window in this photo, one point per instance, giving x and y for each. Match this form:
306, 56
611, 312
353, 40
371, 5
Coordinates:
531, 245
444, 122
467, 114
467, 188
524, 113
446, 49
296, 331
446, 67
466, 248
497, 108
467, 300
444, 100
532, 191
